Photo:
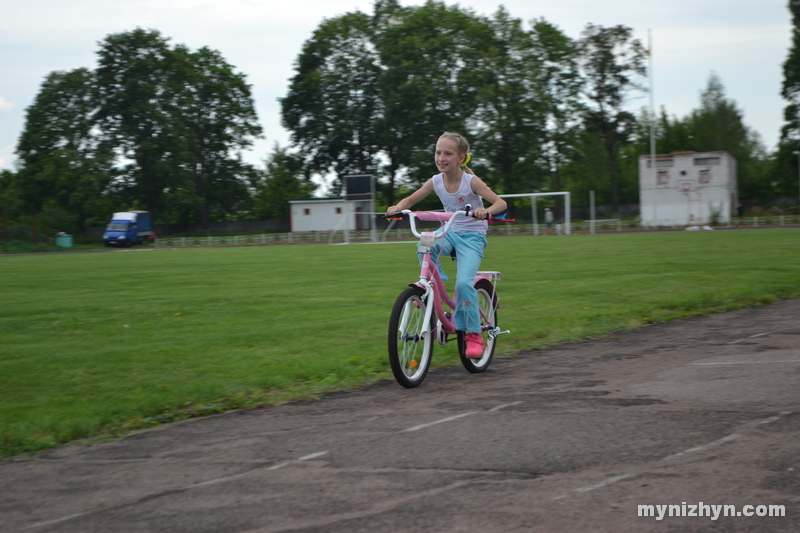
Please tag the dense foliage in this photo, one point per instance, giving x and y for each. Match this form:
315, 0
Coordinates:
160, 127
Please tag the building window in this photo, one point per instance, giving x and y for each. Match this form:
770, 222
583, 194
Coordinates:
660, 163
663, 178
705, 176
306, 211
706, 161
338, 210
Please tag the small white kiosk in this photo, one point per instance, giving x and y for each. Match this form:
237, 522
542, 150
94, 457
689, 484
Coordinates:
353, 212
687, 188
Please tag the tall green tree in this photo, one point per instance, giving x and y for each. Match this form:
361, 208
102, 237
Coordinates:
560, 86
218, 120
786, 172
65, 162
140, 112
511, 117
433, 60
334, 99
718, 124
611, 61
181, 118
282, 181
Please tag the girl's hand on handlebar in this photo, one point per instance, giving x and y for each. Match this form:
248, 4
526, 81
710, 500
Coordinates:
481, 213
392, 210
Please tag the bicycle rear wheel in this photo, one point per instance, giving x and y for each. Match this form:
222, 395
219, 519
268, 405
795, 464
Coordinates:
487, 300
409, 349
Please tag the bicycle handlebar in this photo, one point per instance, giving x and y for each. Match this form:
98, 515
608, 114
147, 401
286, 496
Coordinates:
448, 218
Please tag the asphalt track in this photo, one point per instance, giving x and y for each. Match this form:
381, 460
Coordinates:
572, 438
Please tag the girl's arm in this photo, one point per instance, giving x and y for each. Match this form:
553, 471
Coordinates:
413, 198
481, 189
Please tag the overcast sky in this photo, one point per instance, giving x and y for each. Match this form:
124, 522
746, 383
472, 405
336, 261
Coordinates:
744, 41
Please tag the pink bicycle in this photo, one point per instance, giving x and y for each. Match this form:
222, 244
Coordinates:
419, 318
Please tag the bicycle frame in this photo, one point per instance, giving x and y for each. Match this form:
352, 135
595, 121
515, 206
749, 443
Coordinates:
430, 280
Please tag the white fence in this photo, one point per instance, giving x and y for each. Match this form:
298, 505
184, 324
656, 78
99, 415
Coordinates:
500, 228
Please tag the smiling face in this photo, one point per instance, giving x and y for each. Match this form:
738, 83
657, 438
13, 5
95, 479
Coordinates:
447, 157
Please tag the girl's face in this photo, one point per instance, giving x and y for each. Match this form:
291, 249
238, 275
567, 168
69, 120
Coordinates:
447, 157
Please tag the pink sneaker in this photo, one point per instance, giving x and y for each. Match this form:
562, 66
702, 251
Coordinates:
474, 346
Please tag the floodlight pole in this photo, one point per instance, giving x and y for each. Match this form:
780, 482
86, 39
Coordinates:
798, 164
798, 181
652, 126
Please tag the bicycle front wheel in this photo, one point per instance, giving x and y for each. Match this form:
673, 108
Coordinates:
410, 342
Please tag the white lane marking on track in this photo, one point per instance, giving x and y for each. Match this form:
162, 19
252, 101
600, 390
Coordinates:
775, 418
56, 521
312, 456
751, 337
429, 424
748, 362
504, 406
704, 446
196, 485
211, 482
603, 483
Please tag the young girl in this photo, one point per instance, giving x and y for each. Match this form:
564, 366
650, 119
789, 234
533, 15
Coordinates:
457, 186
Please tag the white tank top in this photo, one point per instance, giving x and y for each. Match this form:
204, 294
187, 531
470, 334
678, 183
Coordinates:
453, 202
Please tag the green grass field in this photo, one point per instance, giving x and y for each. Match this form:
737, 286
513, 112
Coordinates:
95, 344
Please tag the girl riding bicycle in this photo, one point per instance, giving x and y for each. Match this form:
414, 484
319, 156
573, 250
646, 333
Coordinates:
456, 186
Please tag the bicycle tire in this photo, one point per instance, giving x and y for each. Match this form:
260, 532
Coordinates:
487, 299
409, 352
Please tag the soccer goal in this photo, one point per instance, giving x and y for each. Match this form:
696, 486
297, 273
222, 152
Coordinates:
533, 196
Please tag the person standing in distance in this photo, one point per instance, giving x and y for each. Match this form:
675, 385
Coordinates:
456, 186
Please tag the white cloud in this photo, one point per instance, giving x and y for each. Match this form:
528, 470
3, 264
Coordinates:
5, 105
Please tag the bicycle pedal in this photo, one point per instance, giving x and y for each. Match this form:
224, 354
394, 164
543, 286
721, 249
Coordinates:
494, 333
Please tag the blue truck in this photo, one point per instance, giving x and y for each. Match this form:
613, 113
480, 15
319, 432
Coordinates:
127, 228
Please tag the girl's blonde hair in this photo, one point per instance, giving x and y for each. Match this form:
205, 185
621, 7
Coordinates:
462, 145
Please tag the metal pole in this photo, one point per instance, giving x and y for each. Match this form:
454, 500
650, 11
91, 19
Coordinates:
5, 232
652, 126
373, 225
591, 212
535, 216
568, 217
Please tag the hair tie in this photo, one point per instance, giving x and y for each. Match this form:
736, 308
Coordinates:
469, 156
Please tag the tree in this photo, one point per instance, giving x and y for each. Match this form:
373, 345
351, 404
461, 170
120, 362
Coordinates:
334, 101
219, 119
719, 125
383, 88
512, 113
785, 167
611, 60
65, 163
139, 111
432, 57
281, 182
561, 85
182, 118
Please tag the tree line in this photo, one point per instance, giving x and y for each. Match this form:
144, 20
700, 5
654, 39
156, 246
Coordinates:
161, 127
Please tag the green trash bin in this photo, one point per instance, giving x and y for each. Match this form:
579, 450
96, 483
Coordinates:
65, 241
